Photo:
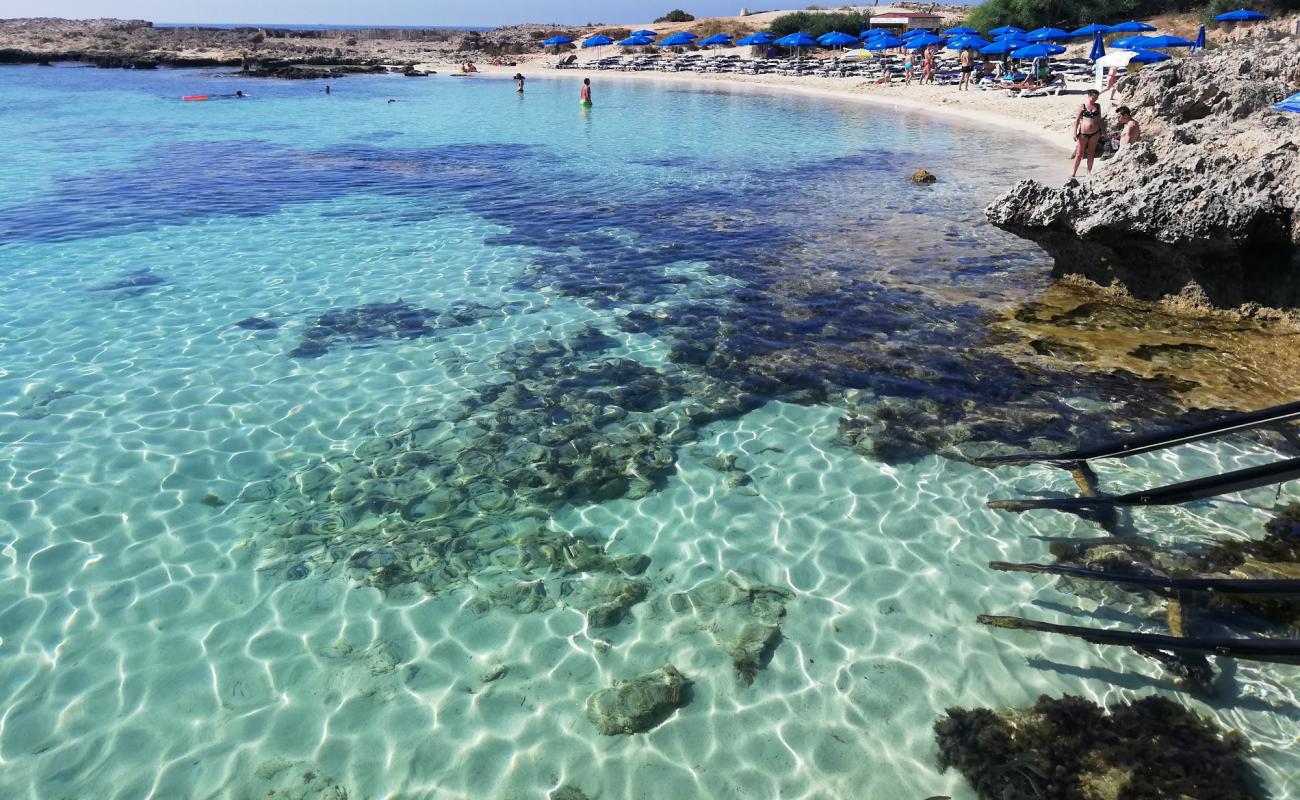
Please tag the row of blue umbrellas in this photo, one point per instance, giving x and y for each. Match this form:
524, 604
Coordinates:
1009, 39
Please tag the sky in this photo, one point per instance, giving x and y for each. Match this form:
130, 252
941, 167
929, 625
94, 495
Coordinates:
375, 12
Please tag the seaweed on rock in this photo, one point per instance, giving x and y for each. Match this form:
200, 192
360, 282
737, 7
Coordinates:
373, 322
451, 498
911, 385
1073, 749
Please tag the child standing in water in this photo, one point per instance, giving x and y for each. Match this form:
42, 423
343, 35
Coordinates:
585, 95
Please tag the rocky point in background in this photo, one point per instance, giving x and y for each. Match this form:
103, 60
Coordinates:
1208, 197
263, 52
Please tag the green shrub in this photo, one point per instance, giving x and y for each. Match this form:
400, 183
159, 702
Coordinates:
676, 15
815, 23
1030, 14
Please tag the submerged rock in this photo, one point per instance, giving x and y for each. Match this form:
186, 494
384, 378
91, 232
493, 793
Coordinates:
364, 323
1209, 196
373, 322
1073, 749
923, 177
135, 283
257, 324
639, 704
743, 616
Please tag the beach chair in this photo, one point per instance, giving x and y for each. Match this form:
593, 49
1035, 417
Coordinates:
1053, 87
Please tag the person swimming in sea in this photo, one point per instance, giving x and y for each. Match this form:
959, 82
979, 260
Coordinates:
240, 93
519, 82
327, 88
584, 95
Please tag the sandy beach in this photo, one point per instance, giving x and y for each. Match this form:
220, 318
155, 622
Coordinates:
1048, 118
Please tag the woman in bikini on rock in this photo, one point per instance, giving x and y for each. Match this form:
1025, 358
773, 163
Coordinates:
1089, 127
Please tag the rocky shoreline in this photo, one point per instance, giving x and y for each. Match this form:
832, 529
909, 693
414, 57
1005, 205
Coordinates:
1209, 197
268, 52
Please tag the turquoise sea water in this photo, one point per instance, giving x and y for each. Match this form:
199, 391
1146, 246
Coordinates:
316, 411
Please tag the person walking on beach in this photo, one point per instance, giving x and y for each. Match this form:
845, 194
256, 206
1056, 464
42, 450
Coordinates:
927, 66
584, 95
967, 67
909, 66
1089, 126
519, 82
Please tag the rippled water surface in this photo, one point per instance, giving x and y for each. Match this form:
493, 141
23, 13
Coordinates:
336, 433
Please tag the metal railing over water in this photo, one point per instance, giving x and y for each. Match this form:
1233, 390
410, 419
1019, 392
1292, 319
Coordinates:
1183, 655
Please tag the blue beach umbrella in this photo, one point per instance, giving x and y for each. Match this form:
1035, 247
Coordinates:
836, 39
960, 30
556, 41
1005, 29
636, 41
1091, 30
962, 42
883, 43
756, 39
1001, 48
1244, 15
1048, 34
923, 41
1132, 42
1292, 104
716, 40
679, 40
1148, 57
1165, 42
643, 32
1132, 26
1039, 50
1098, 48
797, 40
598, 41
1200, 40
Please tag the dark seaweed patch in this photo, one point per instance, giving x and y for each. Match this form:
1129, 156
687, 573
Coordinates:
257, 324
376, 322
1071, 748
452, 496
133, 284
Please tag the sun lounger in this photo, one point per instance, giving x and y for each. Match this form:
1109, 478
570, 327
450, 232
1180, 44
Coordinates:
1054, 87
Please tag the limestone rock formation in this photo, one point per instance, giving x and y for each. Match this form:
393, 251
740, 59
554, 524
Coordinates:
639, 704
1209, 195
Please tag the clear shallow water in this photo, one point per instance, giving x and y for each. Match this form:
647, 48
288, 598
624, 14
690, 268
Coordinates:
222, 569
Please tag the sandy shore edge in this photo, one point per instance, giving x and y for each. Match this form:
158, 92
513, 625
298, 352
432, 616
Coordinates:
1048, 121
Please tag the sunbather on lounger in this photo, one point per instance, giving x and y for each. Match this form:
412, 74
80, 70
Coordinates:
1029, 84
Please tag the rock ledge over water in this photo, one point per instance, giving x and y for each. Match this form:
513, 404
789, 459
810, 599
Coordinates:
1209, 195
